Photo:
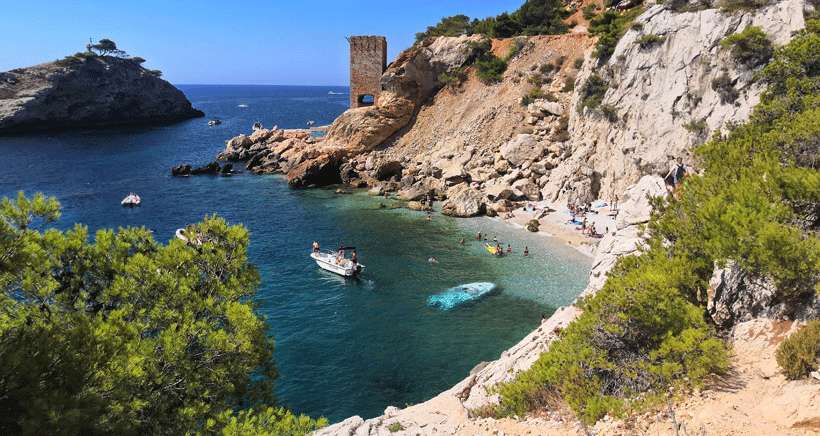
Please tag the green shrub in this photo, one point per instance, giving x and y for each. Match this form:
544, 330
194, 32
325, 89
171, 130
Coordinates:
592, 92
547, 69
515, 48
455, 25
491, 69
696, 126
569, 84
751, 47
609, 112
798, 354
589, 11
649, 40
454, 78
725, 88
736, 5
532, 95
579, 62
609, 27
395, 427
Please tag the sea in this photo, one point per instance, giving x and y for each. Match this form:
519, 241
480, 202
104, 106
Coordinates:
343, 346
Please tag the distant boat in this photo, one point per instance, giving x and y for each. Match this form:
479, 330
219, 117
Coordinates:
335, 93
459, 295
215, 122
131, 200
242, 105
311, 122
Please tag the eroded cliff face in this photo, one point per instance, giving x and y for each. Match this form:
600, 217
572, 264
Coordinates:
90, 92
660, 94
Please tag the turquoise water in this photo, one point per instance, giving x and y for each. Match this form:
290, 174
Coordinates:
344, 347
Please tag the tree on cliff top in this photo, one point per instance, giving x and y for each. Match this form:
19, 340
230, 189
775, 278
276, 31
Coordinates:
105, 47
123, 335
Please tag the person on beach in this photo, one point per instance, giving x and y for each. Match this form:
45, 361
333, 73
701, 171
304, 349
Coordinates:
526, 251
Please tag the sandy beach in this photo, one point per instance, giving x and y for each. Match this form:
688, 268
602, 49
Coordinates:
556, 223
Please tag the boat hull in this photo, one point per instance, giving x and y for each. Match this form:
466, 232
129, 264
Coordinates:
328, 263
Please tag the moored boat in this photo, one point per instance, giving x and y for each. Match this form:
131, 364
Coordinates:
335, 262
131, 200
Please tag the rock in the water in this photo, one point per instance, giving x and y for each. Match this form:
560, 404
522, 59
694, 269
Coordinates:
533, 225
89, 91
322, 170
181, 170
463, 201
211, 169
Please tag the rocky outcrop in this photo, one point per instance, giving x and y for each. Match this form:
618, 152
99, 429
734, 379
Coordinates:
88, 91
450, 411
663, 96
463, 201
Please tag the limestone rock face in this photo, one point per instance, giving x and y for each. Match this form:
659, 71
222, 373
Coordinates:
635, 206
91, 92
657, 91
463, 201
735, 296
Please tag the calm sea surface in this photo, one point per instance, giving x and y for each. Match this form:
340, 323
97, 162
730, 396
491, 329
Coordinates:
342, 347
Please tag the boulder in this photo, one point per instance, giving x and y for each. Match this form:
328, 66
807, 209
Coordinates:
635, 207
528, 188
348, 173
239, 142
412, 193
322, 170
453, 173
387, 170
532, 225
521, 148
417, 205
735, 296
497, 189
463, 201
544, 107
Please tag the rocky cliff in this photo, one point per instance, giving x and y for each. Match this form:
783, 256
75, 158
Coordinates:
88, 91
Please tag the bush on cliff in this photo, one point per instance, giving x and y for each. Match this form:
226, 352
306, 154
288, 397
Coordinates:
751, 47
755, 204
799, 353
609, 27
123, 335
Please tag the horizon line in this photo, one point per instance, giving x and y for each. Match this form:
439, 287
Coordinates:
256, 84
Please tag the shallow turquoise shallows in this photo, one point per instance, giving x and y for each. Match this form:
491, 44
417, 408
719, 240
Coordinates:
344, 347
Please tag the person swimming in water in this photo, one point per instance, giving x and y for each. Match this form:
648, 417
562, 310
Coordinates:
478, 236
498, 250
509, 248
461, 242
526, 251
432, 260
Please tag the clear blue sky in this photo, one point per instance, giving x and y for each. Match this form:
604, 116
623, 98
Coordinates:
224, 42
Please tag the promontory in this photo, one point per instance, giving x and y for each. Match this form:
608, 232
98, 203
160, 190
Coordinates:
89, 89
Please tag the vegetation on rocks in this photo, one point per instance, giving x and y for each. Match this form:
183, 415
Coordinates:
725, 88
124, 335
751, 47
534, 17
649, 40
609, 27
592, 92
755, 204
799, 353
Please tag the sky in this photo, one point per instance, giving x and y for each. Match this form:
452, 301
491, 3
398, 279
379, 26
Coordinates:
271, 42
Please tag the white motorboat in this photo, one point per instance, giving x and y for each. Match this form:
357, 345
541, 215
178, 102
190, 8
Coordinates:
215, 122
334, 262
131, 200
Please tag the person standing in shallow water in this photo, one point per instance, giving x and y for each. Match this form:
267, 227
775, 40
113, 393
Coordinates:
526, 251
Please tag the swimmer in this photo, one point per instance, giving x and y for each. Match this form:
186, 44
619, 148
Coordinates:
478, 236
461, 242
509, 248
526, 251
432, 260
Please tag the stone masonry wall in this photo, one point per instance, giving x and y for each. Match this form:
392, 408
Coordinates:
368, 60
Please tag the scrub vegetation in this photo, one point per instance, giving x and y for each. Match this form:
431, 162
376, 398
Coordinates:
123, 335
646, 331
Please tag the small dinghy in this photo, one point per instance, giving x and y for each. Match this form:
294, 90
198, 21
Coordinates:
459, 295
215, 122
131, 200
335, 262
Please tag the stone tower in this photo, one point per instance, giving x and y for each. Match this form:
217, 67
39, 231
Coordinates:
368, 60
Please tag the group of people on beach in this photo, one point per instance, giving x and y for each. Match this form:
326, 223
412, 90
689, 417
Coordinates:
499, 250
586, 227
